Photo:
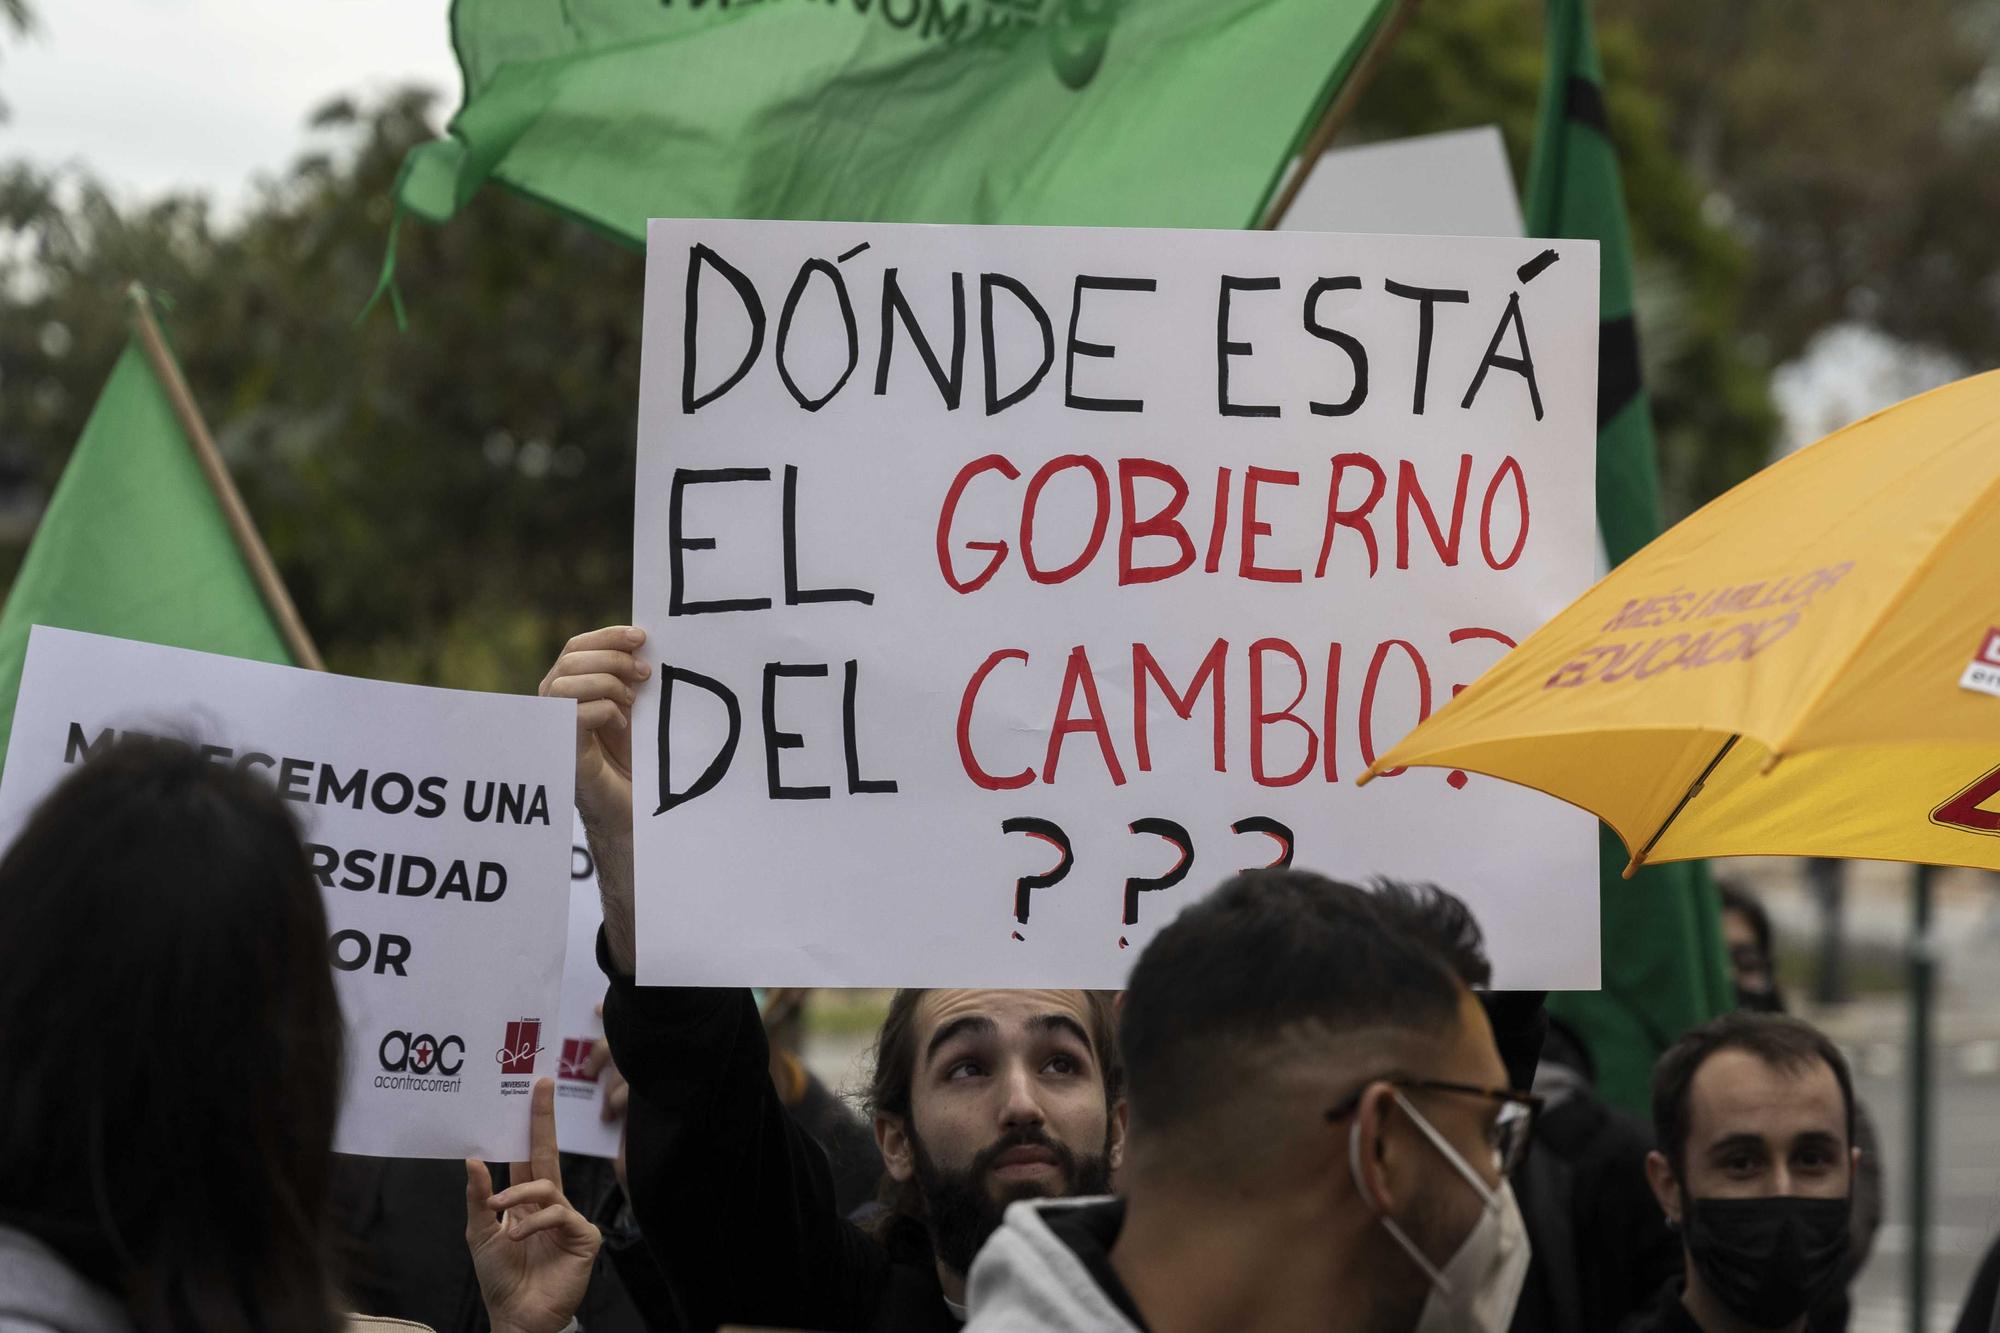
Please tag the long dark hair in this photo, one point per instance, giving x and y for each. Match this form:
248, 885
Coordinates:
170, 1044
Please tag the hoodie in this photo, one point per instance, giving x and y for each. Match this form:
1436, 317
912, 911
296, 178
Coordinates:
39, 1293
1048, 1270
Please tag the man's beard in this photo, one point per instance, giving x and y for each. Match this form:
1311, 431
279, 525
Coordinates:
961, 1212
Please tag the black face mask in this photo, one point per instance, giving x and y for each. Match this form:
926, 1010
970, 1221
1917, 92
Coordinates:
1768, 1259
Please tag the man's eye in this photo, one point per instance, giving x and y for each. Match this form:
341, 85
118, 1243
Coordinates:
1063, 1064
964, 1069
1740, 1164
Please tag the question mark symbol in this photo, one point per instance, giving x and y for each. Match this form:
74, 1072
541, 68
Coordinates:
1267, 825
1138, 884
1027, 884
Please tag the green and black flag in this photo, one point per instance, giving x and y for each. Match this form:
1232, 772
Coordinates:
1664, 968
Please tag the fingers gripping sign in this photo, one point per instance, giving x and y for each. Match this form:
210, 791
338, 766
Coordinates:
601, 672
532, 1251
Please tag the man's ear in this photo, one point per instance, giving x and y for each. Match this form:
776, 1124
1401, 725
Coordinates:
1115, 1152
1666, 1189
1372, 1157
892, 1139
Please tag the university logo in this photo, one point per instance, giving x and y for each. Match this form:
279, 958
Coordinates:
524, 1042
575, 1059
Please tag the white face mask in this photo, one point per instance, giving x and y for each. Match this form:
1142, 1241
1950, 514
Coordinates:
1477, 1288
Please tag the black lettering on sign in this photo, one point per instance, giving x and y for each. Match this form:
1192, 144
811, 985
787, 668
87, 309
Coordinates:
1025, 886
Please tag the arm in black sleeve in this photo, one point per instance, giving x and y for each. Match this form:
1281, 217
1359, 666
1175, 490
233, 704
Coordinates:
1520, 1020
734, 1200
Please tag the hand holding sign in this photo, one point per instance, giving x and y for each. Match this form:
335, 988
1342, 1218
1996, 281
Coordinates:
598, 669
533, 1251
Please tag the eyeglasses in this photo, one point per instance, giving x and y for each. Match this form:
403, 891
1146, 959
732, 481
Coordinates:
1512, 1130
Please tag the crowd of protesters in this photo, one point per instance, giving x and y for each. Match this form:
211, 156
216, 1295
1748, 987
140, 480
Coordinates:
1306, 1111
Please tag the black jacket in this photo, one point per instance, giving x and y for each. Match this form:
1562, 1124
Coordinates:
1602, 1249
735, 1200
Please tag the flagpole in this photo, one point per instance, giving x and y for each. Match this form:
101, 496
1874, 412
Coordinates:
279, 602
1339, 109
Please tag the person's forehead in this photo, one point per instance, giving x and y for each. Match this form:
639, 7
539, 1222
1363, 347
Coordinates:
1736, 927
1738, 1092
1010, 1011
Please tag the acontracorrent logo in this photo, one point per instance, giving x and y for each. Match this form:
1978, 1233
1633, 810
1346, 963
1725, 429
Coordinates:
419, 1061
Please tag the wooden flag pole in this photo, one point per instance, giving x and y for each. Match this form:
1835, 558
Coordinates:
279, 602
1339, 109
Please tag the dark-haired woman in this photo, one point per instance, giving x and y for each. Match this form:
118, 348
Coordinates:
170, 1064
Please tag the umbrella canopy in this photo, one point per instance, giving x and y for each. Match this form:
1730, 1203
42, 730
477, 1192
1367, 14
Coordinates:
1808, 666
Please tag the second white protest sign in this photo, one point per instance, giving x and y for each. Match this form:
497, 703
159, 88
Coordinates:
437, 825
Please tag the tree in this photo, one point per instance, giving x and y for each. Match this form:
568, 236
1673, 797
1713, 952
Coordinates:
446, 505
1470, 62
1850, 147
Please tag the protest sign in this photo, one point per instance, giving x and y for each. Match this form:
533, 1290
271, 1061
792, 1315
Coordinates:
580, 1128
432, 822
1457, 183
1011, 587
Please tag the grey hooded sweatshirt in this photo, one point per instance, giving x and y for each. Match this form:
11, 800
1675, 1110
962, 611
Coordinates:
40, 1294
1048, 1270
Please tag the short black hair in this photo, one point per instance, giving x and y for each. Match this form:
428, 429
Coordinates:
1266, 952
1779, 1040
1440, 920
1736, 898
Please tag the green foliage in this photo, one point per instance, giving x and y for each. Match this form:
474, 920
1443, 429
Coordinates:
446, 505
1852, 145
1471, 62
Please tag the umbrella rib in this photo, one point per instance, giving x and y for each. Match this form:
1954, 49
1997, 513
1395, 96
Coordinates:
1694, 789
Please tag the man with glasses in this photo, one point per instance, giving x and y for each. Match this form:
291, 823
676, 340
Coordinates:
1320, 1134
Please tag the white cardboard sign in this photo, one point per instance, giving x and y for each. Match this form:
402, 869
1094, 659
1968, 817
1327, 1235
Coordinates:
580, 1127
432, 820
1012, 587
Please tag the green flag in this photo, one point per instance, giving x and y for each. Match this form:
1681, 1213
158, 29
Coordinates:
134, 543
1076, 112
1664, 968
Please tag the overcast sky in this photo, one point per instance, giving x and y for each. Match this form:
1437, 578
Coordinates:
155, 95
152, 95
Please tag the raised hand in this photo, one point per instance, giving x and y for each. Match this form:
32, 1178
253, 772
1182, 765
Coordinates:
532, 1251
599, 671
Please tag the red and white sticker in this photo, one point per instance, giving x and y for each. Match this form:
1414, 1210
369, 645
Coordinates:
1984, 673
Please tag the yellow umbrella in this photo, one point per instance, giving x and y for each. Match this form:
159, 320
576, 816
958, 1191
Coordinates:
1809, 666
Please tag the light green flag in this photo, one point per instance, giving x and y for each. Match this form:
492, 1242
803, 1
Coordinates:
1664, 967
1077, 112
134, 543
